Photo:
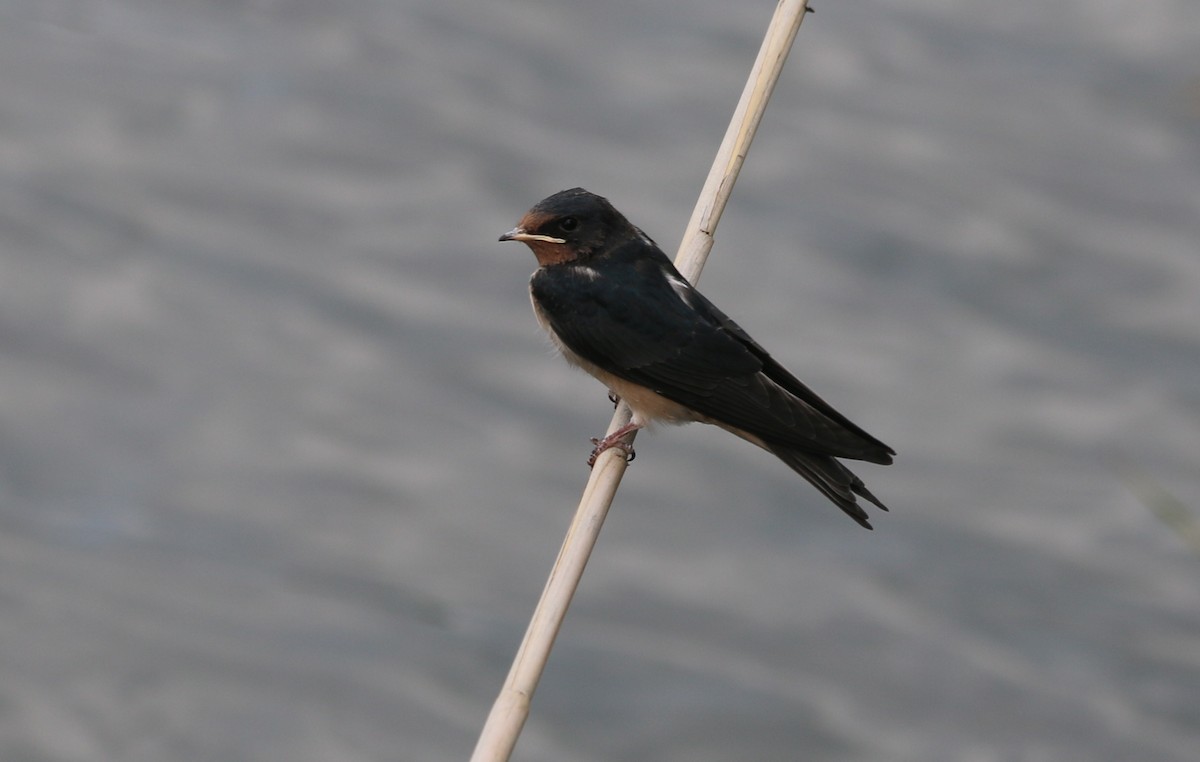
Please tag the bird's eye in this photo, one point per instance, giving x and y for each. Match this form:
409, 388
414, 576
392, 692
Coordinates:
568, 223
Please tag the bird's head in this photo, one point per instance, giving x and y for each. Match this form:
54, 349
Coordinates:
569, 226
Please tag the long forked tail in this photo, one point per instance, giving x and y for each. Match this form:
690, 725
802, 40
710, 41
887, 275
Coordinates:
834, 480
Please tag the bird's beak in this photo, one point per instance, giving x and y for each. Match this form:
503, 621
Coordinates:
519, 234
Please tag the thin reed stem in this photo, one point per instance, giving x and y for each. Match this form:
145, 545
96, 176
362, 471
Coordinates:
508, 715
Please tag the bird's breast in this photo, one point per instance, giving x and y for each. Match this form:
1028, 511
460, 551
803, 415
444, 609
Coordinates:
647, 405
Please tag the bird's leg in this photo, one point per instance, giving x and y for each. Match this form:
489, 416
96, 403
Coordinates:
616, 439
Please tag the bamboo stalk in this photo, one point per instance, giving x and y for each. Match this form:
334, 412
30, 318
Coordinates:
507, 717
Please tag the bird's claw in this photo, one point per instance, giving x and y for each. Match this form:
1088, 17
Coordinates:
614, 398
600, 445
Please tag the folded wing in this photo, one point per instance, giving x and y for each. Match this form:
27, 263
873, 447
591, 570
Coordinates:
648, 326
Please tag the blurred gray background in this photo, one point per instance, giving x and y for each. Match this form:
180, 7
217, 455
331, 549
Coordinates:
284, 458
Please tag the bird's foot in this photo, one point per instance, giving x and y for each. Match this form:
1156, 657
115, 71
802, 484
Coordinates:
603, 444
614, 398
615, 439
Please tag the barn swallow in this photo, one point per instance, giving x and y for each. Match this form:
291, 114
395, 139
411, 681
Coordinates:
615, 306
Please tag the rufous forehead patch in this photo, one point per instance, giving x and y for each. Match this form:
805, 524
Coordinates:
534, 220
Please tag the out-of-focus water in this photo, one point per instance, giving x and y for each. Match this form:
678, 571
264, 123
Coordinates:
284, 459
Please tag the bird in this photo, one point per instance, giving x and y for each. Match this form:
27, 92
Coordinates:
616, 306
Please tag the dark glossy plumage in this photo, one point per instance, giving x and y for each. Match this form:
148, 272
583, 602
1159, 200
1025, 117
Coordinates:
611, 297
